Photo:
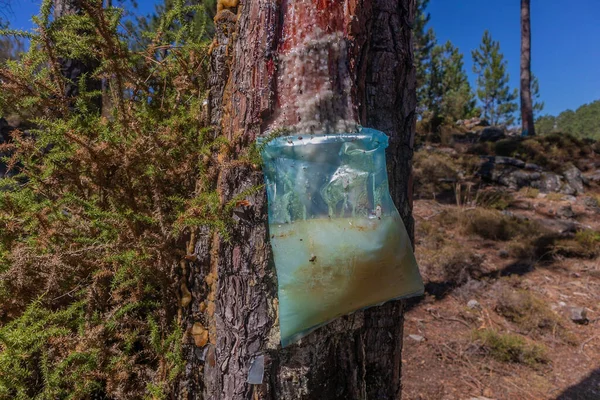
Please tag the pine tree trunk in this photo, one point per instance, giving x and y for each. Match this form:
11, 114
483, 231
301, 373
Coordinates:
233, 284
526, 102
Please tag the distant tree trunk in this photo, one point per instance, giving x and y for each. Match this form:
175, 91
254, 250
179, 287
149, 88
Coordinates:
106, 96
73, 69
367, 49
526, 102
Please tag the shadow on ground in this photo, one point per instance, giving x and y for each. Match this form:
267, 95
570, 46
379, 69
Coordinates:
587, 389
540, 255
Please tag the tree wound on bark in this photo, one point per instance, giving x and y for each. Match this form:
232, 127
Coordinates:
356, 356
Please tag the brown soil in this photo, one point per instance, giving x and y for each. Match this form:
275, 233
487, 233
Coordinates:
448, 362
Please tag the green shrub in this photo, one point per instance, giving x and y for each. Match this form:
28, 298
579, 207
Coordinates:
585, 244
508, 347
94, 229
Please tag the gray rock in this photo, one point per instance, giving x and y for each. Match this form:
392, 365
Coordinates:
472, 123
509, 161
550, 182
491, 134
473, 304
591, 202
595, 177
565, 212
533, 167
578, 315
503, 254
574, 178
417, 338
447, 150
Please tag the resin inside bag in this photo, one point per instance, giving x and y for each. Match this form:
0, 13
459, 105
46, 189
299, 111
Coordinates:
339, 244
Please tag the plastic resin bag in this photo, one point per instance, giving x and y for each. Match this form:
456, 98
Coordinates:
339, 244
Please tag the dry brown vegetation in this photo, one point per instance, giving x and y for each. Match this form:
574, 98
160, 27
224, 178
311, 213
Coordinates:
503, 272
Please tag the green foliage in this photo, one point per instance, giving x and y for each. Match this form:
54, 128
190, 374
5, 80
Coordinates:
583, 245
538, 105
198, 23
444, 94
508, 347
93, 228
581, 123
423, 42
498, 101
448, 96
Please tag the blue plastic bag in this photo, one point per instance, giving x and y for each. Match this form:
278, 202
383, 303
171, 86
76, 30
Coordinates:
338, 241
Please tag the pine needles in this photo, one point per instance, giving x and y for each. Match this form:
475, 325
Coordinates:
94, 225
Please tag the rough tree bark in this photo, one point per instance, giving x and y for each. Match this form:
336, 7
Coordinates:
526, 102
366, 45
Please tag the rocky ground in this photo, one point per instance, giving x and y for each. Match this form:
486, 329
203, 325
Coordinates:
510, 257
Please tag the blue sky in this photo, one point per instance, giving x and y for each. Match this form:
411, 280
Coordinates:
565, 40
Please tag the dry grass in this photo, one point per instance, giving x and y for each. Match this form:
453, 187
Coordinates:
442, 258
531, 314
529, 192
549, 151
553, 196
453, 264
494, 198
489, 224
434, 173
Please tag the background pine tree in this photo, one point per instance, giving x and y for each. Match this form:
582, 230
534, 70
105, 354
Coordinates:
497, 100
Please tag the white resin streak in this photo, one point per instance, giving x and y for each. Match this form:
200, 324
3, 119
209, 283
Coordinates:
305, 75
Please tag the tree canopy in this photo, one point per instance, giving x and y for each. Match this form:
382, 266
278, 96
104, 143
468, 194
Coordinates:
584, 122
498, 100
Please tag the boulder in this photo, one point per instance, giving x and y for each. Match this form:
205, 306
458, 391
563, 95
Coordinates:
491, 134
550, 182
574, 178
508, 171
565, 212
472, 123
509, 161
578, 315
515, 174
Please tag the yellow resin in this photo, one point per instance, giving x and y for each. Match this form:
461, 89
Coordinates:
331, 267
